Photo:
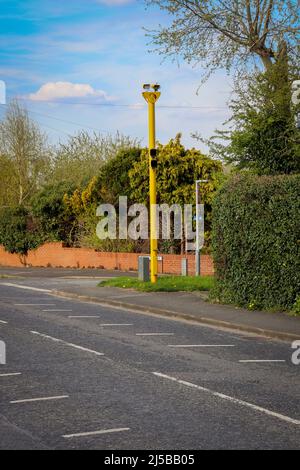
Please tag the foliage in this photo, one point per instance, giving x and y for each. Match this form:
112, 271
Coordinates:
18, 230
96, 170
164, 284
296, 307
49, 208
8, 193
226, 34
256, 226
263, 135
83, 155
178, 169
80, 208
114, 175
25, 150
111, 183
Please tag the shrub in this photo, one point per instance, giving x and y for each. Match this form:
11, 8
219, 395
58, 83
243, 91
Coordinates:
49, 208
296, 306
256, 227
19, 232
178, 169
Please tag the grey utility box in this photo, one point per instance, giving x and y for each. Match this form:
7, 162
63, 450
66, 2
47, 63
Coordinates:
144, 268
184, 267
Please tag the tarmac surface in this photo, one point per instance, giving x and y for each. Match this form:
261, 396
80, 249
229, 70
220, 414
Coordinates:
83, 375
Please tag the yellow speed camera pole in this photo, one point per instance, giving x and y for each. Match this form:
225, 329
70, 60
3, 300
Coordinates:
151, 95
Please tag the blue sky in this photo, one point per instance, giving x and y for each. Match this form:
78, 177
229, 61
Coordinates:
93, 52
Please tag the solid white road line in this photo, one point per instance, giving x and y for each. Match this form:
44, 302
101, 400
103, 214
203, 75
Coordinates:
18, 286
31, 400
261, 360
287, 419
95, 433
154, 334
4, 322
10, 375
75, 346
201, 345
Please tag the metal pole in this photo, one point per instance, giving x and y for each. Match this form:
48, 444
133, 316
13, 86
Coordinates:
151, 97
152, 167
197, 252
198, 249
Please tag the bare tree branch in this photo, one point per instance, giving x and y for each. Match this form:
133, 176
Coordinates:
229, 33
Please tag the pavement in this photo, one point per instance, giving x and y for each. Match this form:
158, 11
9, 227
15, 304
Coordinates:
88, 375
190, 306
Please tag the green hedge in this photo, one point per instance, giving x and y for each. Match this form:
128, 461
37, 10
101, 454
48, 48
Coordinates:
255, 241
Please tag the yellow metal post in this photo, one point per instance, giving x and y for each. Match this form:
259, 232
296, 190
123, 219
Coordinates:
151, 97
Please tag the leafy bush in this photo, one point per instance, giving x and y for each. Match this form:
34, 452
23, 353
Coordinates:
296, 306
178, 169
49, 208
114, 176
19, 232
256, 227
111, 182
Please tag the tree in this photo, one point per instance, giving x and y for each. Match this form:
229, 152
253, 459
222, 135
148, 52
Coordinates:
227, 33
83, 156
8, 180
24, 147
263, 135
178, 169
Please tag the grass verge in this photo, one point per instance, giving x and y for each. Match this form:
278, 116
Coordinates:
164, 284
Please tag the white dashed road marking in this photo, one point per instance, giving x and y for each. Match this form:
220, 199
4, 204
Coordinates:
58, 310
154, 334
18, 286
65, 343
261, 360
3, 322
10, 375
84, 316
201, 345
95, 433
34, 305
32, 400
287, 419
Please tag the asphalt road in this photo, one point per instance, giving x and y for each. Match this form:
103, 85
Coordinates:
105, 378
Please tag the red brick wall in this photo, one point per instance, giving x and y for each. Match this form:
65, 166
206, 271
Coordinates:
54, 255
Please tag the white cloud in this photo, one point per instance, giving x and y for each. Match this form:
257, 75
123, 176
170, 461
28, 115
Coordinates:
54, 91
